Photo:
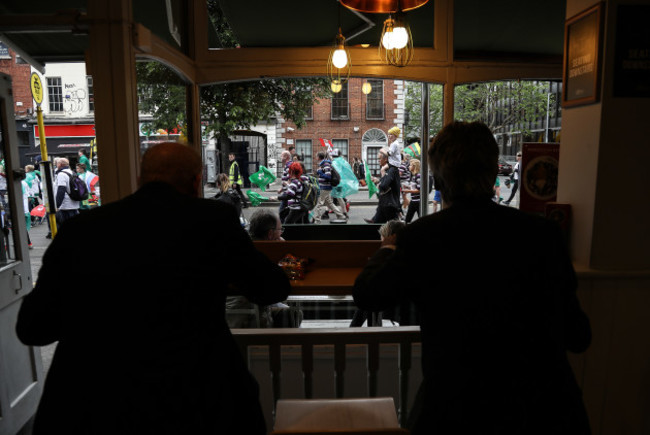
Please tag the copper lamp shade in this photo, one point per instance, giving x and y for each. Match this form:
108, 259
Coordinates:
383, 6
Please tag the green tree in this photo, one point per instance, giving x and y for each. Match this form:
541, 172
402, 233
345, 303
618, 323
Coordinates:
413, 108
503, 106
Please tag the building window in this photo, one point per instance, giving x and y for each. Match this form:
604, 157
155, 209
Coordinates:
372, 161
91, 94
310, 112
55, 94
342, 146
372, 141
304, 151
340, 106
375, 100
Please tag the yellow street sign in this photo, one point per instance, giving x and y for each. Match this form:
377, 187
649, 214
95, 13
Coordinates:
37, 88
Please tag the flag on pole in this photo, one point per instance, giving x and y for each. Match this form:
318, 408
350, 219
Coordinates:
372, 189
326, 143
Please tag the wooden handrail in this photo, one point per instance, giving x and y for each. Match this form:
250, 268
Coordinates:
307, 338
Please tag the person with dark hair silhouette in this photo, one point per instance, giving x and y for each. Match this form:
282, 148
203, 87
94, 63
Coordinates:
494, 354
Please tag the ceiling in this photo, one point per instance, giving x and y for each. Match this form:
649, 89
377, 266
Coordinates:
494, 29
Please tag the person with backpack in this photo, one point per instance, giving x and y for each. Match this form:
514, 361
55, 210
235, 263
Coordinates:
325, 182
66, 206
293, 195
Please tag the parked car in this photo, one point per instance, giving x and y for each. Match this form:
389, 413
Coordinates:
505, 168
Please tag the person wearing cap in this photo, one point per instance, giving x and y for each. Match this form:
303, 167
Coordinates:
515, 179
394, 147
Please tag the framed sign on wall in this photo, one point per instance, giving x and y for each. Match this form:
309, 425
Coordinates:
582, 57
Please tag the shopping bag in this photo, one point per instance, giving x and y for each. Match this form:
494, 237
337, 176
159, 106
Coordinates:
262, 178
372, 188
255, 198
349, 184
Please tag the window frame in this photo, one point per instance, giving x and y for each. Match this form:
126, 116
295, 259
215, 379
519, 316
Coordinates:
52, 96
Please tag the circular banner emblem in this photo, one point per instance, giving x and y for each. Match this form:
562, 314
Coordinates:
37, 88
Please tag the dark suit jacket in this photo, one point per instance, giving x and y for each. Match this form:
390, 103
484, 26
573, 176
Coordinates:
143, 345
497, 319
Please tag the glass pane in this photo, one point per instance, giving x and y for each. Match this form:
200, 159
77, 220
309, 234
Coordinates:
516, 111
161, 104
304, 151
7, 235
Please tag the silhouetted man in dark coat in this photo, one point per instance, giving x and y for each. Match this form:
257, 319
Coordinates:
143, 345
494, 351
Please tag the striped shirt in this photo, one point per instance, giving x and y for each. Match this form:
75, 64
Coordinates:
294, 193
415, 185
325, 175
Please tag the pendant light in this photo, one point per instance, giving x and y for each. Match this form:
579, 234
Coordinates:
366, 88
396, 45
338, 63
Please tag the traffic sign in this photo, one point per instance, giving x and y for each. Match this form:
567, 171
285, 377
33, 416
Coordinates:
37, 88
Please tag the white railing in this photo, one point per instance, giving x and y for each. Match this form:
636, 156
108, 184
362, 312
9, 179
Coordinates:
340, 339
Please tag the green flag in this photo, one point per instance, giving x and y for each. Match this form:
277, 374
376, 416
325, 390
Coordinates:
262, 178
255, 198
372, 189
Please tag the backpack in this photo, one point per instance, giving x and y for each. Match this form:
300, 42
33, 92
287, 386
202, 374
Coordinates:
310, 193
336, 177
78, 187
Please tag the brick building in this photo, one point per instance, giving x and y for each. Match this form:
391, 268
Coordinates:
356, 123
20, 71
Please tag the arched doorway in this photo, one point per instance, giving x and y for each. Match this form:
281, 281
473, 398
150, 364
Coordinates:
371, 142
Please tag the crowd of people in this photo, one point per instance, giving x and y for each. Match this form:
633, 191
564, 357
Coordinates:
33, 191
493, 355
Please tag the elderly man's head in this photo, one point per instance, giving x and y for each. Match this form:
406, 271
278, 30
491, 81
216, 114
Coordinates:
383, 156
285, 156
464, 159
265, 225
175, 164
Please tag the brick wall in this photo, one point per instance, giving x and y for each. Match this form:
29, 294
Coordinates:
322, 126
20, 73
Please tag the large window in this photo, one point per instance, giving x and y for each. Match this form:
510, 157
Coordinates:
55, 94
91, 94
340, 105
304, 151
342, 146
375, 100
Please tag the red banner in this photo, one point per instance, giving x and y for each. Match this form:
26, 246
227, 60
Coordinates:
68, 130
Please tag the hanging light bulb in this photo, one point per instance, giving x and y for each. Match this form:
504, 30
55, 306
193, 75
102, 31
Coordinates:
366, 88
387, 36
338, 64
396, 46
340, 58
399, 38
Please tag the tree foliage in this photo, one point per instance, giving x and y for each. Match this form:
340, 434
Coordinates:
503, 106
